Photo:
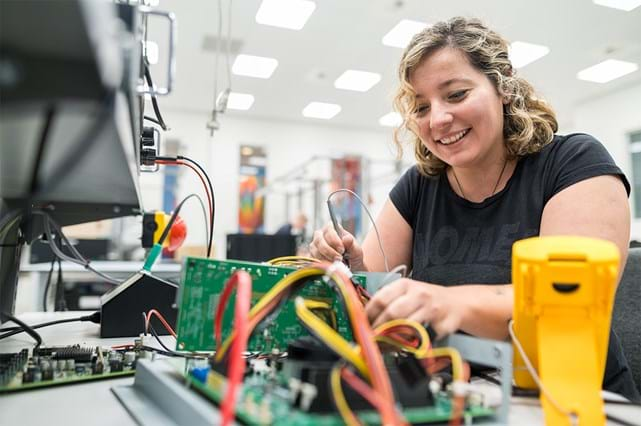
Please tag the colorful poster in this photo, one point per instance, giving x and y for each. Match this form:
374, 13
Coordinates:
347, 174
251, 206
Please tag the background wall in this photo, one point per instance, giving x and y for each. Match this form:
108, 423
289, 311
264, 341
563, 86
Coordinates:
610, 118
288, 145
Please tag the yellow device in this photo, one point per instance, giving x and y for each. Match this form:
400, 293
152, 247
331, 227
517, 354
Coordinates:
563, 295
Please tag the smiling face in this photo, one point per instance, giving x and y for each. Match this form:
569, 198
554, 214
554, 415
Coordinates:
459, 112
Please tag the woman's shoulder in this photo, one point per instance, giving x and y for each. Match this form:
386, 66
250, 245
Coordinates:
572, 141
570, 145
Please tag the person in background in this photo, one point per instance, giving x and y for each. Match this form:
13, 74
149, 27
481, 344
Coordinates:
489, 171
295, 227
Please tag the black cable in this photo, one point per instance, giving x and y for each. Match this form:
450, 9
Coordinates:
94, 317
27, 329
213, 200
154, 101
172, 219
211, 191
619, 420
153, 120
166, 350
60, 302
46, 292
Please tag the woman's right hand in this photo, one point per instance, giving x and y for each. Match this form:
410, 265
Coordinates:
328, 246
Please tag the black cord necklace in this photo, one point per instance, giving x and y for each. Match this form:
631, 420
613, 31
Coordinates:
495, 185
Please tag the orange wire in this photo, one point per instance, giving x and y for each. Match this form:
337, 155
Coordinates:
181, 163
162, 320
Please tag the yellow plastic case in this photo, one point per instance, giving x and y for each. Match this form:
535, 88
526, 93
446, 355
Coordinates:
563, 295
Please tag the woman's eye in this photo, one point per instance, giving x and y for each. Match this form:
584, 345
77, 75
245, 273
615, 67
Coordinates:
421, 109
458, 95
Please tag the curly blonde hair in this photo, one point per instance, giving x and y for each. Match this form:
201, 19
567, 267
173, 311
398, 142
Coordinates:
529, 122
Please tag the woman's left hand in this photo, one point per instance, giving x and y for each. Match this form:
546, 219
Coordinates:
422, 302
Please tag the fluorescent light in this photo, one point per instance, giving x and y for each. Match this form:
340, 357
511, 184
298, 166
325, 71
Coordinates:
240, 101
254, 66
606, 71
151, 51
392, 119
626, 5
402, 33
290, 14
360, 81
321, 110
522, 53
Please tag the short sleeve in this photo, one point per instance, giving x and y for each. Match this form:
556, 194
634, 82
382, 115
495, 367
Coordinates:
404, 194
579, 157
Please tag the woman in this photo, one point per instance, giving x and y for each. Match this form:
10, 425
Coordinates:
489, 171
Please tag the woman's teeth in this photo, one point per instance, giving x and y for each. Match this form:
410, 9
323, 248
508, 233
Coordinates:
454, 138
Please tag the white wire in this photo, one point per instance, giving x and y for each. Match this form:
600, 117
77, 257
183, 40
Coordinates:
530, 368
395, 270
228, 56
217, 53
378, 235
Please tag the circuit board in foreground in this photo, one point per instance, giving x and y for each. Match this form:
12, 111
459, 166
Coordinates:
262, 402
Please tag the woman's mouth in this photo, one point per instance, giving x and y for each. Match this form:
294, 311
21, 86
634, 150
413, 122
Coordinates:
454, 138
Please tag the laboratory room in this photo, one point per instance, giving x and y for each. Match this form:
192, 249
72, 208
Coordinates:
320, 212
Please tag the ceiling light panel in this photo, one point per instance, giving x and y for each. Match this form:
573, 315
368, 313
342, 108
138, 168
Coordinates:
321, 110
254, 66
607, 71
240, 101
626, 5
402, 33
290, 14
522, 53
359, 81
392, 119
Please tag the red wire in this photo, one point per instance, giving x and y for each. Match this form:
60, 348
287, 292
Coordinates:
162, 320
202, 180
236, 367
361, 387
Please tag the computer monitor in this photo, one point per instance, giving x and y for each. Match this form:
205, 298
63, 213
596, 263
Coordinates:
259, 247
70, 121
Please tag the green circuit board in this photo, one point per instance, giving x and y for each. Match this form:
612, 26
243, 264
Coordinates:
260, 403
63, 365
201, 287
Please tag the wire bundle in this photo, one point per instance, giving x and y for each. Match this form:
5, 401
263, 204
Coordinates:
181, 160
370, 378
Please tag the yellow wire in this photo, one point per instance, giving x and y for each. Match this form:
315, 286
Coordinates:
330, 337
317, 305
281, 259
455, 356
276, 290
339, 397
421, 351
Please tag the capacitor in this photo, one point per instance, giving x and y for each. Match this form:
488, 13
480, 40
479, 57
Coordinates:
130, 357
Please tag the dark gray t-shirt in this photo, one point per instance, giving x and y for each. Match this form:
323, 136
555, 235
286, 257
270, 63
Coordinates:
460, 242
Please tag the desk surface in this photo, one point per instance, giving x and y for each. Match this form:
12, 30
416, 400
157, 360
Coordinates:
104, 266
94, 403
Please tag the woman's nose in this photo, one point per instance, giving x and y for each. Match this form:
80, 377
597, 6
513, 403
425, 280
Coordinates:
440, 117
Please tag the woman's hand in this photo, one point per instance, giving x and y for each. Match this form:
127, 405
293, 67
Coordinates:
327, 245
424, 303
